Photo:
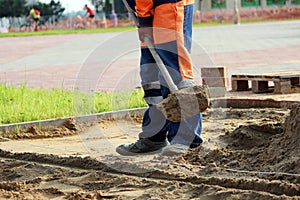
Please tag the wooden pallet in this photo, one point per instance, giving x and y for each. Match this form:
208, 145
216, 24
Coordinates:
283, 83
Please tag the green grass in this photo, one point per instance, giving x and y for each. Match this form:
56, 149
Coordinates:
90, 31
23, 103
62, 32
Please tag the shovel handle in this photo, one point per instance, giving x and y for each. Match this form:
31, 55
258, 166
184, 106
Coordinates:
161, 66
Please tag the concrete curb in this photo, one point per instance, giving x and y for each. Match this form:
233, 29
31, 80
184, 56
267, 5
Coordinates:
131, 113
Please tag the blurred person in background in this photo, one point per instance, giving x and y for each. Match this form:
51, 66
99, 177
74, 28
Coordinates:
91, 14
114, 18
34, 15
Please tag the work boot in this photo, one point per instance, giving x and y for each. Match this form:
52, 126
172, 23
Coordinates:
174, 149
143, 145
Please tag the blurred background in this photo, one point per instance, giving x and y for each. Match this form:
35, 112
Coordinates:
69, 14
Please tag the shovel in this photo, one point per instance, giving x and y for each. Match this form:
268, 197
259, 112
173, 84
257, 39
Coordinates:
180, 104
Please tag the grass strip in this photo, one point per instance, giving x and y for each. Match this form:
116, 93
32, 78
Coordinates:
23, 103
72, 31
90, 31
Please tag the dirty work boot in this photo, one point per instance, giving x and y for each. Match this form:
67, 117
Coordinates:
174, 149
143, 145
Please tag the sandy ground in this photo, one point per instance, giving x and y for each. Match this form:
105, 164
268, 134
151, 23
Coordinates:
246, 154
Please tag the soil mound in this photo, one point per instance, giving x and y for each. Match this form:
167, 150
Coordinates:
254, 135
292, 124
269, 150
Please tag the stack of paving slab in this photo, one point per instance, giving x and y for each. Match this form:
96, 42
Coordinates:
215, 78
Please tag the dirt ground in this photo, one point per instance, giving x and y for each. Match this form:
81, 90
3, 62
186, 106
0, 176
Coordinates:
246, 154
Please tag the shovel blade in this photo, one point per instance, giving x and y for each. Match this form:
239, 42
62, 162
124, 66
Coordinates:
185, 103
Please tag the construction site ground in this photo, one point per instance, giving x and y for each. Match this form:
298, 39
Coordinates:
249, 152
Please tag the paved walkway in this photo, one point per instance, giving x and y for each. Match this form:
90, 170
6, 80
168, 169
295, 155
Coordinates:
110, 60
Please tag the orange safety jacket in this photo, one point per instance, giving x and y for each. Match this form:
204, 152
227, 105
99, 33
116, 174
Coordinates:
168, 27
144, 9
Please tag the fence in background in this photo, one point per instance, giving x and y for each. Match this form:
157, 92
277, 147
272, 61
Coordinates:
15, 24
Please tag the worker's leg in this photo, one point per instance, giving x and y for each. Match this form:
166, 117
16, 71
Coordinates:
154, 123
174, 51
154, 126
188, 26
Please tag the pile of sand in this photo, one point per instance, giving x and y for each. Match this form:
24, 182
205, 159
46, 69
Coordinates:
270, 150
